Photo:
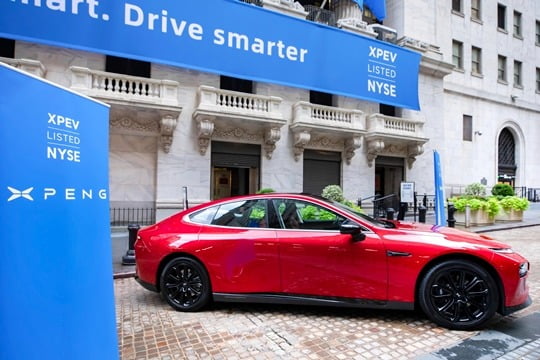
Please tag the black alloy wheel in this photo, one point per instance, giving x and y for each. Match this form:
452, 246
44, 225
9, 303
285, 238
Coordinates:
458, 295
185, 285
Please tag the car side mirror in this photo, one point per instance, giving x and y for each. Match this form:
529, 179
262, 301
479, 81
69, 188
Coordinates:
352, 229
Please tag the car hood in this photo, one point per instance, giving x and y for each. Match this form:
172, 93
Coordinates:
450, 234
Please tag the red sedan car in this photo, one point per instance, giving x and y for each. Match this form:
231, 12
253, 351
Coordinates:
300, 249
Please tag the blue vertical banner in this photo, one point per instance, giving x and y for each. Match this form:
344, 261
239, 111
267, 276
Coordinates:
440, 215
57, 300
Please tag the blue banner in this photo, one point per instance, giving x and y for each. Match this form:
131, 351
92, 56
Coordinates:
440, 214
57, 300
377, 7
224, 37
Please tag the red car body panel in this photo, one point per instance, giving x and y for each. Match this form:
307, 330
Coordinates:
330, 264
386, 266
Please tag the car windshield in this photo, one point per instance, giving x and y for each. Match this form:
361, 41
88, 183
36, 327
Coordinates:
356, 213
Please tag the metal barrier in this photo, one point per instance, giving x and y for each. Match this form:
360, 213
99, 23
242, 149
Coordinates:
533, 194
126, 216
381, 204
319, 15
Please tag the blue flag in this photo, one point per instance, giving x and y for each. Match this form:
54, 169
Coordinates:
377, 7
440, 215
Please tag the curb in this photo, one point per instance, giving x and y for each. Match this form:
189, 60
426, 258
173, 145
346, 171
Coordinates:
124, 275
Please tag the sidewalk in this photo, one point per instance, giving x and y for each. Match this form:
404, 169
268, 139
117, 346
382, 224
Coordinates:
120, 238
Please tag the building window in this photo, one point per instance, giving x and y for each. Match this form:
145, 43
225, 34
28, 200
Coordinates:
125, 66
387, 110
235, 84
537, 37
7, 48
517, 24
456, 5
476, 60
538, 80
517, 74
475, 10
457, 54
501, 74
467, 128
321, 98
501, 16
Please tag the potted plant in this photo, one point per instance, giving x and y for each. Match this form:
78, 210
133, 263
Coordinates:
512, 208
483, 209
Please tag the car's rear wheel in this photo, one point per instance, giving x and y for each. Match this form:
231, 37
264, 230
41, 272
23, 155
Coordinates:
185, 285
458, 294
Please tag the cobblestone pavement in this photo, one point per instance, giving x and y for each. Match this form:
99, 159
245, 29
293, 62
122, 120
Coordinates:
149, 329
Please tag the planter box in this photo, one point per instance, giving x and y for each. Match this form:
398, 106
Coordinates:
478, 218
510, 215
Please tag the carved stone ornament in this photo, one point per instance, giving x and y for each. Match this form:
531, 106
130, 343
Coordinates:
374, 148
271, 136
167, 125
351, 144
129, 123
205, 128
237, 133
301, 139
413, 151
325, 142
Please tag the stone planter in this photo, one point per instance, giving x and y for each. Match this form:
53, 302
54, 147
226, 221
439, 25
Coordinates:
478, 218
509, 215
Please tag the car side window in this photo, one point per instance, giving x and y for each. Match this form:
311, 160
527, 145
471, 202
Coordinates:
204, 216
297, 214
250, 214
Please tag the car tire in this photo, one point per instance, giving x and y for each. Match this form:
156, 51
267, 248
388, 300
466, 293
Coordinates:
458, 295
185, 285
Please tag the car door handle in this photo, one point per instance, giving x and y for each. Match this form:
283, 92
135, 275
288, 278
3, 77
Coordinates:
397, 253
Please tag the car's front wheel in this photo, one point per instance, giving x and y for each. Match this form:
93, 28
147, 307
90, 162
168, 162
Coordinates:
458, 294
185, 284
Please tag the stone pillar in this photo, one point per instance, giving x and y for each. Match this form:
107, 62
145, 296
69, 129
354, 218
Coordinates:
347, 9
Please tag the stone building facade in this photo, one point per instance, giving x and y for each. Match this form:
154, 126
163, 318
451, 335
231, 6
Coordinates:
218, 136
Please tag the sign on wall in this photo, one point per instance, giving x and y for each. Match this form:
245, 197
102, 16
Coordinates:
57, 300
225, 37
407, 192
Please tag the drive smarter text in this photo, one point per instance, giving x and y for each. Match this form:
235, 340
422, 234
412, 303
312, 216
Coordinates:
135, 16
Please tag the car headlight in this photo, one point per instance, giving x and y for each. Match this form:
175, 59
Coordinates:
503, 250
523, 269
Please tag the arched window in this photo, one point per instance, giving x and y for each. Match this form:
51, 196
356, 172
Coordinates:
507, 157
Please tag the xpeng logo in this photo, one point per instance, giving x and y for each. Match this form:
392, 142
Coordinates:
16, 194
50, 193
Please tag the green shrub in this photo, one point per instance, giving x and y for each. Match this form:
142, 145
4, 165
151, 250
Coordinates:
514, 203
502, 190
475, 189
265, 191
333, 192
490, 205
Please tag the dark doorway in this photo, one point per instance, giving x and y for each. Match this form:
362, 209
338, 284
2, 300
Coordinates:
235, 169
507, 158
321, 168
389, 173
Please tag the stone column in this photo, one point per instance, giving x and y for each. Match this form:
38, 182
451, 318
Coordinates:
347, 10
